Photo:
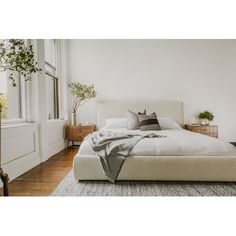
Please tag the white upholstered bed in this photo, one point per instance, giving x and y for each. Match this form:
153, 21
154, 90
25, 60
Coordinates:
182, 155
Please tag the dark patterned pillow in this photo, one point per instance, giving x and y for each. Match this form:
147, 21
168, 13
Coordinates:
148, 122
132, 119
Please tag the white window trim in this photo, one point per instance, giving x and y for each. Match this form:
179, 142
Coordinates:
25, 110
24, 104
13, 121
56, 76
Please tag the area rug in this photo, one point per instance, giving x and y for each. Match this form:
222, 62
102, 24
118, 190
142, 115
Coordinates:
70, 187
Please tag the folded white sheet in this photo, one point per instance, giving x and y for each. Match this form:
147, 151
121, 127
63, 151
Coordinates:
178, 142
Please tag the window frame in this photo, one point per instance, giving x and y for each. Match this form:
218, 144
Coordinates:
56, 77
24, 99
56, 95
23, 103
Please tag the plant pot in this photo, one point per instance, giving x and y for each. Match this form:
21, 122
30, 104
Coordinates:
204, 121
73, 118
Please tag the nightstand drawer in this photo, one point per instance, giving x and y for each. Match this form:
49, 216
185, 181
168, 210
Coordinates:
74, 137
204, 129
78, 132
87, 128
210, 130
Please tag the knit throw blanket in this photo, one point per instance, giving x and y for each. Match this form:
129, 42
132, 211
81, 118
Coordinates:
113, 148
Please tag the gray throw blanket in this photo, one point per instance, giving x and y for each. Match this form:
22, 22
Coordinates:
113, 148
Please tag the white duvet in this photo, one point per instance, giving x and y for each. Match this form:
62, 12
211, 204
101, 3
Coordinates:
178, 142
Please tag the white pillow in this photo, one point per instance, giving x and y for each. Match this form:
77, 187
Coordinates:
121, 123
116, 123
168, 123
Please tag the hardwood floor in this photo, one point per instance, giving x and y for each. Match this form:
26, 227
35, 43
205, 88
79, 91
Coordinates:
42, 179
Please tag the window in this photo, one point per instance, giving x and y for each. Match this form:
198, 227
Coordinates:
12, 99
52, 97
52, 79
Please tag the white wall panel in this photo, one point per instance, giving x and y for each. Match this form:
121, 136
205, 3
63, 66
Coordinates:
20, 149
20, 146
17, 146
56, 136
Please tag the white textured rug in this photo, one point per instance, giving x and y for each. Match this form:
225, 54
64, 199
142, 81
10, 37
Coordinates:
70, 187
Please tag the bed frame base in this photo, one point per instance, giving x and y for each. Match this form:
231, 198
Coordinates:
162, 168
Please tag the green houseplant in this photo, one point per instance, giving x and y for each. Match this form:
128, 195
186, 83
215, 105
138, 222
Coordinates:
81, 94
205, 117
17, 58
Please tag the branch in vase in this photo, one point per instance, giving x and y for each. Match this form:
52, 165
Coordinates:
73, 105
76, 104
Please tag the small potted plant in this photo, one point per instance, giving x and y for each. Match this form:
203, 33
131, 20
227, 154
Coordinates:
81, 94
205, 117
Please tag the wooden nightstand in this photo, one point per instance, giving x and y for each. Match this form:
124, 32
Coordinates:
210, 130
78, 132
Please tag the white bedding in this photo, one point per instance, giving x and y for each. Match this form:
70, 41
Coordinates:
178, 142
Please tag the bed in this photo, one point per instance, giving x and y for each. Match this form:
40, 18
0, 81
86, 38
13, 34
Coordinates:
181, 156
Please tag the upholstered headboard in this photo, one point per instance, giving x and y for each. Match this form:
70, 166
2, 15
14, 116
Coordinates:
117, 109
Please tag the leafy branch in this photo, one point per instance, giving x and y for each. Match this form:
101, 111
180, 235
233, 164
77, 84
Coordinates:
18, 58
81, 94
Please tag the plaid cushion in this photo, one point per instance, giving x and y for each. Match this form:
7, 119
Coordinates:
148, 122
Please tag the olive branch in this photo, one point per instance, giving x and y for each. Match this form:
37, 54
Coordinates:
18, 58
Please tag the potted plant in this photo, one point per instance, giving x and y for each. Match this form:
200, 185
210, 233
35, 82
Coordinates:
81, 94
205, 117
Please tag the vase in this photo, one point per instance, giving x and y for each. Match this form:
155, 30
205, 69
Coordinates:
73, 118
204, 121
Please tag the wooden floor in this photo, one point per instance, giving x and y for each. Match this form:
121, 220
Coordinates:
41, 180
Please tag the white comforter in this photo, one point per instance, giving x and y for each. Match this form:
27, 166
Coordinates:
178, 142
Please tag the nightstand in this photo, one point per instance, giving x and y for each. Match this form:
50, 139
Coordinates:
78, 132
210, 130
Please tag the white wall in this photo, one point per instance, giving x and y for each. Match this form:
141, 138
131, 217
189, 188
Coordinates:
201, 73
